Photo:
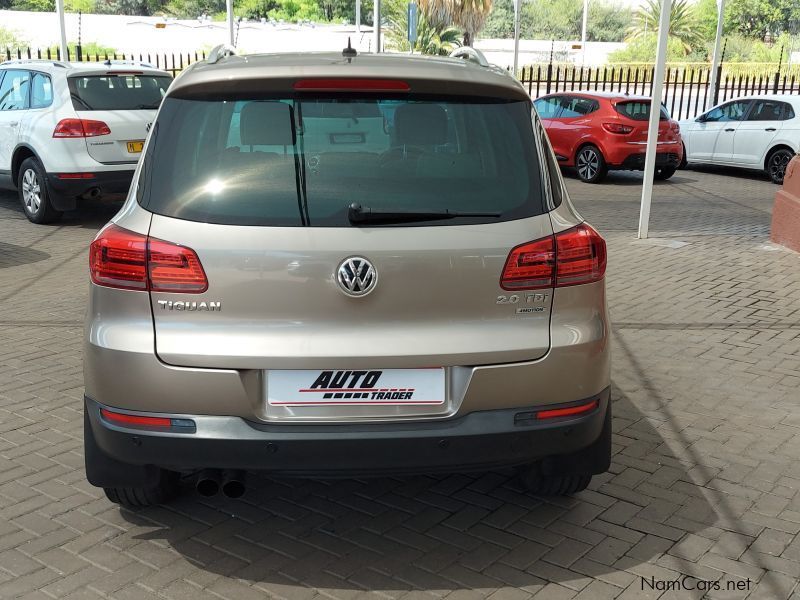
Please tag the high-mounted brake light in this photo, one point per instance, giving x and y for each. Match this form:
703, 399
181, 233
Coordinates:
351, 85
617, 128
571, 257
123, 259
80, 128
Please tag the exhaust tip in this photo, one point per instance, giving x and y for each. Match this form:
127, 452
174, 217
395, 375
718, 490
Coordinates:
208, 483
233, 488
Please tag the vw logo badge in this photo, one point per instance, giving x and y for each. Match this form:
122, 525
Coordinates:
356, 276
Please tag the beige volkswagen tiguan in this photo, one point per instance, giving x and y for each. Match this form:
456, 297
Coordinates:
332, 264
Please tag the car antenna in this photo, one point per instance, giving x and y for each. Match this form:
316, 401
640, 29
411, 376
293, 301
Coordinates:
349, 52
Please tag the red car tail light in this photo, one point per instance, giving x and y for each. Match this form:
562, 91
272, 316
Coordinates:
118, 259
675, 126
580, 256
617, 128
123, 259
126, 419
530, 266
572, 257
351, 85
175, 268
80, 128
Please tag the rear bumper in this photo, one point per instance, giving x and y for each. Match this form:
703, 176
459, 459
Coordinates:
635, 161
476, 441
64, 190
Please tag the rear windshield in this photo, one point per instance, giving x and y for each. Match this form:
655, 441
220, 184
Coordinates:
639, 110
303, 161
118, 92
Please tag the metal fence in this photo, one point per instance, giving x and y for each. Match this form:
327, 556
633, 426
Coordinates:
173, 62
685, 87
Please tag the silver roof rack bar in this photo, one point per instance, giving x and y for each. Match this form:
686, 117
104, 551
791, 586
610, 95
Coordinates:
19, 61
220, 51
470, 54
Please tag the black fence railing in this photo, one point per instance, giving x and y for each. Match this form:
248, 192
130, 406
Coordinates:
686, 89
173, 62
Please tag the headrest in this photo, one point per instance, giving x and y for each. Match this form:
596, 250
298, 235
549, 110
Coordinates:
418, 124
267, 124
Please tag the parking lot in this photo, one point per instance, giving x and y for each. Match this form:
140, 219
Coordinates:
705, 479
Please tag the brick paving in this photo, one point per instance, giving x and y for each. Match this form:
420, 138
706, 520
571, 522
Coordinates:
705, 480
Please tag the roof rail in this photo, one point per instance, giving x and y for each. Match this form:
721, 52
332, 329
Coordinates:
220, 51
470, 54
19, 61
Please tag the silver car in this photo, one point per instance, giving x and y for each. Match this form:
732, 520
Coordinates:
332, 264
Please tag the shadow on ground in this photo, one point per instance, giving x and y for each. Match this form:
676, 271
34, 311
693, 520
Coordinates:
12, 255
433, 533
91, 214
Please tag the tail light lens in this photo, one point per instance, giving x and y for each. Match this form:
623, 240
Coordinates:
617, 128
80, 128
351, 85
572, 257
675, 126
122, 259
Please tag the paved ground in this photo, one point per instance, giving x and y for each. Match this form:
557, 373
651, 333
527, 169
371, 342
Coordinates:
705, 479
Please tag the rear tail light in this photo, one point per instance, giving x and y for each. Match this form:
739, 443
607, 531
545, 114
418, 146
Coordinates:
572, 257
351, 85
617, 128
122, 259
674, 126
80, 128
570, 411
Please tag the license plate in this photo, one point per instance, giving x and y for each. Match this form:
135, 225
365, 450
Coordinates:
135, 147
394, 387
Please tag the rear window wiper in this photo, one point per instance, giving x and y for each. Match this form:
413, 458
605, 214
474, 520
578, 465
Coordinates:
362, 215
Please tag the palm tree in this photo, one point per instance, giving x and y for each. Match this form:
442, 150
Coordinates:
439, 40
683, 23
468, 15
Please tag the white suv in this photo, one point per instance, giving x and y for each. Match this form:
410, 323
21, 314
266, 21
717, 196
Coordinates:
73, 130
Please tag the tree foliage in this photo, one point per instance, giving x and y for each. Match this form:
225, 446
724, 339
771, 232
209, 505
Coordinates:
683, 23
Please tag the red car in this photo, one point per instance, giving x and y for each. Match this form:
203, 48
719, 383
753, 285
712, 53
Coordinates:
595, 132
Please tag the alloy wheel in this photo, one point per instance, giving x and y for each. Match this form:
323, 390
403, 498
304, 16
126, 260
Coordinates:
777, 165
31, 191
588, 163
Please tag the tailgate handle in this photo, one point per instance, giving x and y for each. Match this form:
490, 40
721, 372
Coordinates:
770, 129
730, 129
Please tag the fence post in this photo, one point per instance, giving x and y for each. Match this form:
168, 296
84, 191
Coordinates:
550, 66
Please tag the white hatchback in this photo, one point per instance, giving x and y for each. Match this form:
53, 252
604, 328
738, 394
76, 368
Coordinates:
73, 130
756, 132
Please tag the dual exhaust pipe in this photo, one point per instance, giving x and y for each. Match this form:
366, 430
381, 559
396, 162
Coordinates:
211, 481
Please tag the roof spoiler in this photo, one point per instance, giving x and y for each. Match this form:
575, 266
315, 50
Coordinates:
219, 52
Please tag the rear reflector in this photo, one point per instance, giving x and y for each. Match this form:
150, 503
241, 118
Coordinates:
80, 128
571, 257
74, 175
567, 412
123, 259
351, 85
125, 419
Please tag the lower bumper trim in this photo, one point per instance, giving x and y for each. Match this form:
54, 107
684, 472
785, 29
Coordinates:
477, 441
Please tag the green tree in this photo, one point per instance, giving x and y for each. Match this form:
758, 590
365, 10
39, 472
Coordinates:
683, 23
643, 50
430, 40
10, 38
607, 22
757, 18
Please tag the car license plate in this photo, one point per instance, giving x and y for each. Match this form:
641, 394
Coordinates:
135, 147
396, 387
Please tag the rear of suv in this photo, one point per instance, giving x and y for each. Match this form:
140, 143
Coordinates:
322, 269
72, 131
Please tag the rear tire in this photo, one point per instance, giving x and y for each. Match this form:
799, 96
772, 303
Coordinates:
33, 193
553, 485
777, 162
165, 489
664, 173
590, 165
